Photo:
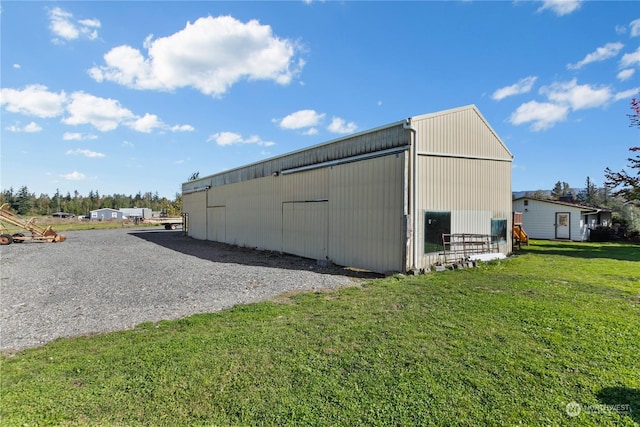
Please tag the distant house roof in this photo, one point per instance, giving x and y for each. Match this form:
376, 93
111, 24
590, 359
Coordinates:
583, 208
105, 209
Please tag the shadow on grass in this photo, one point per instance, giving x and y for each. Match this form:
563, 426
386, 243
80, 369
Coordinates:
623, 400
226, 253
619, 251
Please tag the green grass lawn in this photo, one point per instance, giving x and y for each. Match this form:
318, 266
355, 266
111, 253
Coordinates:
510, 343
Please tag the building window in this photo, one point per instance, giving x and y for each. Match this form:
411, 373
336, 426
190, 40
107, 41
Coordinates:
499, 231
436, 223
526, 203
114, 215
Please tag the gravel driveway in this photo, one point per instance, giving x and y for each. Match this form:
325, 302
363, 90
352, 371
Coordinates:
106, 280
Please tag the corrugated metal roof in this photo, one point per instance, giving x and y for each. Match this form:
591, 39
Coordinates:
369, 141
569, 204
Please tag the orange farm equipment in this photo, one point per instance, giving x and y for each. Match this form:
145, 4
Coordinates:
38, 233
519, 235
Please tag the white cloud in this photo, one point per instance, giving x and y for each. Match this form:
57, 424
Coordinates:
521, 86
150, 122
74, 176
86, 153
602, 53
147, 123
17, 66
577, 96
127, 66
93, 23
542, 115
339, 125
63, 26
630, 59
560, 7
231, 138
182, 128
104, 114
33, 100
209, 55
301, 119
635, 28
31, 127
77, 136
626, 74
627, 94
564, 97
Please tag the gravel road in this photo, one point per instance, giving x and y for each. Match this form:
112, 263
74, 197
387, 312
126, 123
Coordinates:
106, 280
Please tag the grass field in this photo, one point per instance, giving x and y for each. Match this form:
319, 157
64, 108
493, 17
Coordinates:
61, 225
550, 337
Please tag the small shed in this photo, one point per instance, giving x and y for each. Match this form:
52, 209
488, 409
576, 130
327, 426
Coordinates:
381, 200
105, 214
552, 219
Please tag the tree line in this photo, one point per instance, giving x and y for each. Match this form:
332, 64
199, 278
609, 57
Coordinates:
25, 203
590, 195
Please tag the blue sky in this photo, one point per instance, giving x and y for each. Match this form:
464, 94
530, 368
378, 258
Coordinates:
127, 97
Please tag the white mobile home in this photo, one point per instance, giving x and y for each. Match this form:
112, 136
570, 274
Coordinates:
378, 200
551, 219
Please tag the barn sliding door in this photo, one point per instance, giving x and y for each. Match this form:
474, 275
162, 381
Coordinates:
305, 229
217, 224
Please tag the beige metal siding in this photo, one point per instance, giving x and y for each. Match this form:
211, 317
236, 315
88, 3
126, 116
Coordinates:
216, 224
253, 212
195, 205
459, 132
305, 186
366, 214
365, 182
474, 191
463, 168
305, 229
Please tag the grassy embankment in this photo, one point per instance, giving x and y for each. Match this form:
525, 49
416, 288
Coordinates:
510, 343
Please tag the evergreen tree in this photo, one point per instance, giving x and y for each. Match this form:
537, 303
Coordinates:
24, 202
560, 189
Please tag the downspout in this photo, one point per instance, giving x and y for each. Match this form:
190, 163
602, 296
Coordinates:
413, 202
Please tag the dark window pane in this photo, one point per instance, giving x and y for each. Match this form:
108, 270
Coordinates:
436, 223
499, 230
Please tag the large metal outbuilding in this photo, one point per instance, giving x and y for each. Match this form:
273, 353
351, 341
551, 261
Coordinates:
379, 200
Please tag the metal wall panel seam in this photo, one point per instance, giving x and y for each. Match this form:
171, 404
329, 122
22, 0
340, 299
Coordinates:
462, 156
345, 160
